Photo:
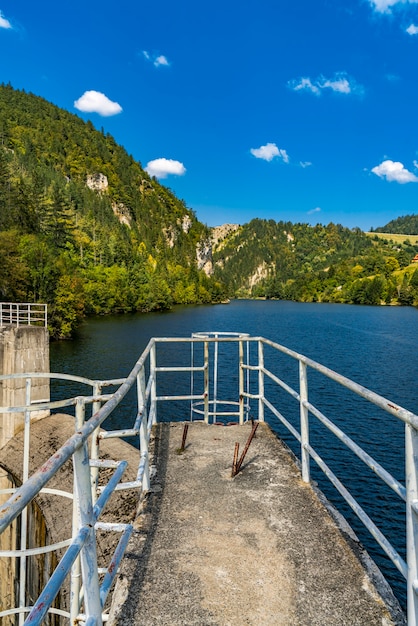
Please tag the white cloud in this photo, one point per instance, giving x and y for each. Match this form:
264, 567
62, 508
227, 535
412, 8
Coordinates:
161, 168
3, 22
305, 164
316, 210
394, 171
157, 61
385, 6
96, 102
161, 60
339, 83
412, 30
269, 151
304, 84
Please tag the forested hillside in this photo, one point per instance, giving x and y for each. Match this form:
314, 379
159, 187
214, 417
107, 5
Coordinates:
83, 227
316, 263
86, 230
406, 225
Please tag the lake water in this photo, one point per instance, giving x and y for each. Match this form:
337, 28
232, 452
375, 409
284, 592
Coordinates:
374, 346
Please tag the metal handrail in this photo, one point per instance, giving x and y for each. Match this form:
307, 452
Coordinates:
143, 378
23, 314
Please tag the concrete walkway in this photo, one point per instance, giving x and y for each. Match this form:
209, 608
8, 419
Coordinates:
258, 549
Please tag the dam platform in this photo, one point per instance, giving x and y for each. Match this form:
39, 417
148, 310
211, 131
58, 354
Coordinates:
260, 548
94, 530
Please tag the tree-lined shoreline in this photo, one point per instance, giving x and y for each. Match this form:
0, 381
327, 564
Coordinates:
85, 229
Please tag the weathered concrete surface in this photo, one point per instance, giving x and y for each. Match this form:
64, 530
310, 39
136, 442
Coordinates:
259, 549
22, 349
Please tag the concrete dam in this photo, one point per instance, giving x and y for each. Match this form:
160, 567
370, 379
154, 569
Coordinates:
206, 520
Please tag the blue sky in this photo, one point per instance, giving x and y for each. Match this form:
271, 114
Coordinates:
296, 110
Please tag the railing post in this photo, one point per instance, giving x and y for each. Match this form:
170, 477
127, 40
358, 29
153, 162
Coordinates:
24, 516
304, 421
75, 584
215, 379
75, 579
241, 381
95, 444
92, 604
153, 374
260, 381
206, 381
143, 429
411, 461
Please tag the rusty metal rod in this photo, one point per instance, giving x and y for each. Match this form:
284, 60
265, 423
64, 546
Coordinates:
235, 461
183, 441
247, 445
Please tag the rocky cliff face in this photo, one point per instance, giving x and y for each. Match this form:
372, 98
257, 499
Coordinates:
97, 182
219, 233
122, 213
206, 246
260, 273
204, 256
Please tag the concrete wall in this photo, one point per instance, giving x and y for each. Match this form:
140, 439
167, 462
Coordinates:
22, 349
8, 575
39, 567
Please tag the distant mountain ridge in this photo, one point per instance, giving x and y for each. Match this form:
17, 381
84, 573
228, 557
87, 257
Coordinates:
406, 225
318, 263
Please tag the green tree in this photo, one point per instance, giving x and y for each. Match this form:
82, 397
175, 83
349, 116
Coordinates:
43, 268
13, 269
391, 265
58, 222
68, 307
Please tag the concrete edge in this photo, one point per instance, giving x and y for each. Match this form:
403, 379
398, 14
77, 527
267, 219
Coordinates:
372, 571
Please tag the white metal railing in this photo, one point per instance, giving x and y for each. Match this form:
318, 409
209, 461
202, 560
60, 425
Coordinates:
254, 382
23, 314
214, 407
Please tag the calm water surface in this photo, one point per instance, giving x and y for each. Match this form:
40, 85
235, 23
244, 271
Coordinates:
375, 346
